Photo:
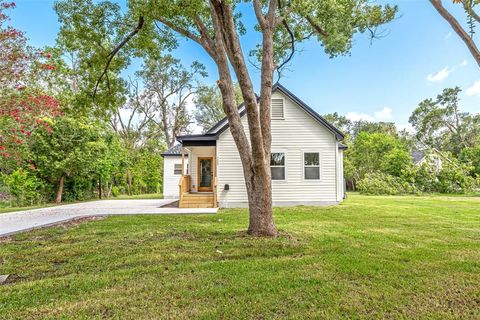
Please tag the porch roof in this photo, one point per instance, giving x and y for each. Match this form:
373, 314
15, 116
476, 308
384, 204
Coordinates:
194, 140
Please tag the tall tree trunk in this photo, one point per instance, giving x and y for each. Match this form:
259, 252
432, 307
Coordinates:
259, 190
254, 154
99, 187
129, 182
109, 189
61, 182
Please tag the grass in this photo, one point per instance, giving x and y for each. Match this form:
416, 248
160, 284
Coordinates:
371, 257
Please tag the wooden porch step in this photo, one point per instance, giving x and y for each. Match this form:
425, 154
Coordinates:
197, 200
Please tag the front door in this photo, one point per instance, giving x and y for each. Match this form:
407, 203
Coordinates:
205, 174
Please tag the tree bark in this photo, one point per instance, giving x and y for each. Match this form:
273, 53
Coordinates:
61, 182
255, 156
129, 182
259, 190
225, 49
99, 187
437, 4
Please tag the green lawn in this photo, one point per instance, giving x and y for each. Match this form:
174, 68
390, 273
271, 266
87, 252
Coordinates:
371, 257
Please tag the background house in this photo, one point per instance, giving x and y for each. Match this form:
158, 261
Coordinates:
431, 157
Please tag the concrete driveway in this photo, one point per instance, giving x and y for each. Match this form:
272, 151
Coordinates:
18, 221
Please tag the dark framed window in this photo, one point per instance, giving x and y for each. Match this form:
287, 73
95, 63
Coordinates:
277, 165
311, 165
177, 168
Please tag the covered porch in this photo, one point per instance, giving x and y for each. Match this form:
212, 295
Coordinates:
197, 186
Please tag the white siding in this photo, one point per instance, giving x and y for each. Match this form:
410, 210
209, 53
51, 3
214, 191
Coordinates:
171, 180
298, 132
341, 184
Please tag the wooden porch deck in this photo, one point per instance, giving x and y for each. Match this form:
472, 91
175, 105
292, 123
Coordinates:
189, 199
196, 199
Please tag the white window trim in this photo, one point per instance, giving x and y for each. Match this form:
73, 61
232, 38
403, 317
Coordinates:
283, 104
285, 166
177, 174
319, 166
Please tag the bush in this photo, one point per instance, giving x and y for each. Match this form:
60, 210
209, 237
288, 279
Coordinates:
379, 183
115, 191
426, 178
24, 188
454, 178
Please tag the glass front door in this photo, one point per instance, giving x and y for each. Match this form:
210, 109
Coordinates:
205, 174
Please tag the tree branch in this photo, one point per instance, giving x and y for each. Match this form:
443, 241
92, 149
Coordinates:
112, 54
257, 5
316, 27
437, 4
292, 42
468, 7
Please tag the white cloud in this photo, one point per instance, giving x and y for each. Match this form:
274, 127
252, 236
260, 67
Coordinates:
355, 116
440, 75
407, 127
383, 115
448, 35
474, 90
190, 106
445, 72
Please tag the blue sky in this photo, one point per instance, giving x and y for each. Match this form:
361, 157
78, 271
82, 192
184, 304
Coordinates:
385, 80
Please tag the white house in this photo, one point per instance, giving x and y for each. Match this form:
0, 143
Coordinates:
431, 157
172, 171
306, 162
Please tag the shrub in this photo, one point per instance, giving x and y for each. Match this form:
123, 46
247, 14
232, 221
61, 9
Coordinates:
425, 178
378, 183
24, 188
454, 178
115, 191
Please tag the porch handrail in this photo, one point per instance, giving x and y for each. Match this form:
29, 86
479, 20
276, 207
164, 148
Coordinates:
183, 186
215, 183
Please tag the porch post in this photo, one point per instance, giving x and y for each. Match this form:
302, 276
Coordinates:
183, 160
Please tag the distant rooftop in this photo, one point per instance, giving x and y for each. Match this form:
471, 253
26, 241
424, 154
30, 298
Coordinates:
417, 155
176, 150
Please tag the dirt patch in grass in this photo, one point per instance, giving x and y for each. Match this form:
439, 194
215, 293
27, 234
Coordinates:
76, 221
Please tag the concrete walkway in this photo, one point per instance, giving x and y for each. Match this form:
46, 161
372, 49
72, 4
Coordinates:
18, 221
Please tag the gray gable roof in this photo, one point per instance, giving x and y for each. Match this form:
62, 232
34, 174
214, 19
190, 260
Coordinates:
175, 151
417, 155
222, 125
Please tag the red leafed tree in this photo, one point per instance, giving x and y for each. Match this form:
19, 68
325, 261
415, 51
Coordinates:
22, 105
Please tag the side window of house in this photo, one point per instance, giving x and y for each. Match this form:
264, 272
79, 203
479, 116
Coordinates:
277, 165
311, 164
177, 169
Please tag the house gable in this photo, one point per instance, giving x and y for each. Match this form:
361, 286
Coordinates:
223, 125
